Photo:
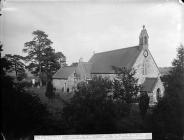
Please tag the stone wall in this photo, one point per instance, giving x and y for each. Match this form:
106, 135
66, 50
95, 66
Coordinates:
159, 85
109, 76
151, 69
59, 83
65, 84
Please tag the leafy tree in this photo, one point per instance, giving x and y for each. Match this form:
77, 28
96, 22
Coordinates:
125, 85
17, 65
41, 56
167, 115
62, 58
49, 90
5, 65
35, 50
143, 103
91, 110
51, 61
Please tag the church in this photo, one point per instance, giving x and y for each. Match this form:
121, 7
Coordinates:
101, 64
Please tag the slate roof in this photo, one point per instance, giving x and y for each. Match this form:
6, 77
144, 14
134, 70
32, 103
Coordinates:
64, 72
103, 62
149, 84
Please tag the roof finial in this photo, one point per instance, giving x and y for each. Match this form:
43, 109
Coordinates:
81, 59
143, 26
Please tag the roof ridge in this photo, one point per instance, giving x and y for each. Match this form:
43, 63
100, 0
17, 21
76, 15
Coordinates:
69, 66
117, 49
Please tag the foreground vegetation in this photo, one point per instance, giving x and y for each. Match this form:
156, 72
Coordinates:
93, 109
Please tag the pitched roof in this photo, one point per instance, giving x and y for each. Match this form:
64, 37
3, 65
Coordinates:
64, 72
103, 62
149, 84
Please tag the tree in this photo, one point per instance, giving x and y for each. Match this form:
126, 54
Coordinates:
143, 103
5, 65
91, 110
125, 85
49, 90
35, 50
51, 61
167, 115
17, 65
62, 59
42, 57
19, 109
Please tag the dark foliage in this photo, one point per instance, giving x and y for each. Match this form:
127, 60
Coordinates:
16, 66
22, 113
168, 119
91, 110
25, 84
94, 110
49, 90
143, 104
41, 56
125, 87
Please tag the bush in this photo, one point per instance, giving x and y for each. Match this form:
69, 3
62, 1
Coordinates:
167, 119
49, 90
143, 104
26, 84
92, 110
22, 112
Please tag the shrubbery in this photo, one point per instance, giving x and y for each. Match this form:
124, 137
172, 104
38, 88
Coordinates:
99, 105
49, 90
22, 112
168, 115
143, 104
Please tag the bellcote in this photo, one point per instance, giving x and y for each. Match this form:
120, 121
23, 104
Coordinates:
143, 38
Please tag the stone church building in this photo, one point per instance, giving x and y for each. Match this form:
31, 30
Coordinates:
137, 57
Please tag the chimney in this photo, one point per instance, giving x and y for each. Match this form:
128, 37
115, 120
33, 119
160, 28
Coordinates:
81, 60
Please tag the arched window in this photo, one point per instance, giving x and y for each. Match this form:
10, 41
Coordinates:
158, 94
68, 89
144, 68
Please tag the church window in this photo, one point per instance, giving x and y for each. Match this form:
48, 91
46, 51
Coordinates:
144, 68
158, 94
68, 89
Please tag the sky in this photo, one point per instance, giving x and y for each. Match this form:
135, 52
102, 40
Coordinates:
80, 28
